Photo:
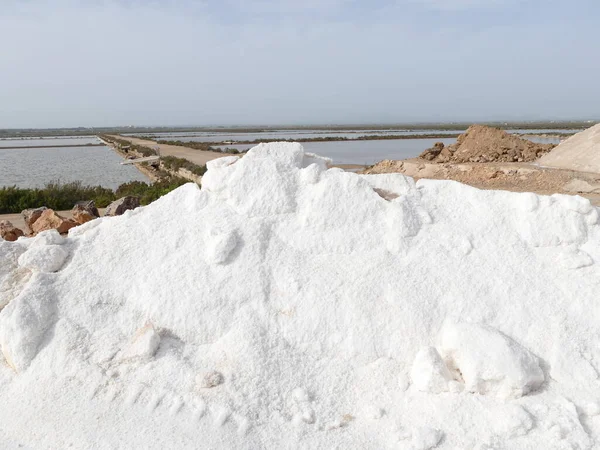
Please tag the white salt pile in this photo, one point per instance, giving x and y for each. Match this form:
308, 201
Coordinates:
579, 152
289, 306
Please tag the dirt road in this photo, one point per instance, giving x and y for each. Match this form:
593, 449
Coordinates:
199, 157
17, 219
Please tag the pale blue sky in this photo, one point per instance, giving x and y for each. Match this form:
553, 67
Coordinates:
186, 62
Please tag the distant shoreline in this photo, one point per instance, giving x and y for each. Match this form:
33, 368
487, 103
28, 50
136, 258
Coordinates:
407, 126
16, 147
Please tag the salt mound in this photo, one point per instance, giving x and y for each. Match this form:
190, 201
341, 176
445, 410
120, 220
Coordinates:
580, 152
285, 305
481, 143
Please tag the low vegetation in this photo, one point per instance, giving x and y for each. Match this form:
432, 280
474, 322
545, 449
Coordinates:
373, 137
54, 195
127, 147
203, 146
218, 146
168, 163
62, 196
173, 163
148, 193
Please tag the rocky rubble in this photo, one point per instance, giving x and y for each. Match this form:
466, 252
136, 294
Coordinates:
42, 219
433, 152
51, 220
9, 232
118, 207
486, 144
30, 216
83, 212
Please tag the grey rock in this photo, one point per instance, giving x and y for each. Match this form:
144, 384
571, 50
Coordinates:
83, 212
121, 205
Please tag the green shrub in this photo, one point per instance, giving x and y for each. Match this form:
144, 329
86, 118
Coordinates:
59, 196
149, 192
54, 195
174, 163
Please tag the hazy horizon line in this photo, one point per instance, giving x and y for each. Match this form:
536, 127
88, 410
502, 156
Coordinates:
320, 124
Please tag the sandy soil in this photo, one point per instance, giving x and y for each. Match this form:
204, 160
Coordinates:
199, 157
350, 167
17, 219
484, 157
516, 177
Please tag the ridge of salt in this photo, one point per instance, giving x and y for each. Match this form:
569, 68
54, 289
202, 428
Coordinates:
310, 294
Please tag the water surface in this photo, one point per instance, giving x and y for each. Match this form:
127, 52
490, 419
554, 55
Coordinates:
49, 141
311, 134
365, 152
94, 166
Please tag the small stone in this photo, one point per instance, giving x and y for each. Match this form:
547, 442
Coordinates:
50, 220
118, 207
30, 216
9, 232
431, 153
84, 212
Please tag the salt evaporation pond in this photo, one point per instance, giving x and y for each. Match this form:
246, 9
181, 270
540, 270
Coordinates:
290, 134
215, 136
48, 141
353, 151
365, 152
94, 166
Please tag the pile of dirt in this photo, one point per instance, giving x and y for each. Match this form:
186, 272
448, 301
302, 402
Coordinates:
486, 144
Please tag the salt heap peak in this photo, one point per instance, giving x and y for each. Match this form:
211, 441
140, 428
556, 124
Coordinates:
311, 294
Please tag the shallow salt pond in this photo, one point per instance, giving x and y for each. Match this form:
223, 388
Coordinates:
94, 166
48, 141
365, 152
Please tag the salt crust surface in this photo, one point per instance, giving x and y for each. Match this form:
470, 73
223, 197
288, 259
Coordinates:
289, 306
